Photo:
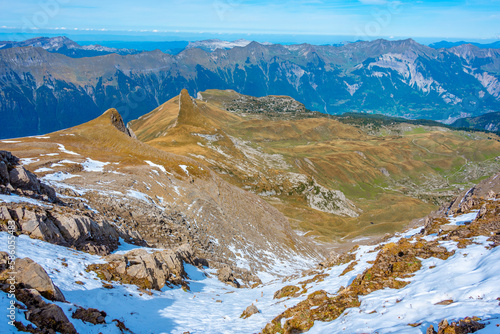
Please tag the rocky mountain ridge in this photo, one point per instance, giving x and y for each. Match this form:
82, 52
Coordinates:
398, 78
100, 170
329, 176
66, 46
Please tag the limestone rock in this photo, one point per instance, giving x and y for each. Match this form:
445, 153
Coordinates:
47, 317
225, 275
147, 270
86, 234
430, 330
249, 311
37, 225
14, 178
91, 315
4, 213
66, 229
21, 178
463, 326
32, 275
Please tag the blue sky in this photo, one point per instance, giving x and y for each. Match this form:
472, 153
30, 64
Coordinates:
365, 19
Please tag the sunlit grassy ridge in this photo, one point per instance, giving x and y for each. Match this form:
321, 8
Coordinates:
392, 175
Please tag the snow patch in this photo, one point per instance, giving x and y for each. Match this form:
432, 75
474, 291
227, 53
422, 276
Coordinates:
184, 168
43, 170
160, 167
58, 176
94, 165
463, 219
28, 161
20, 199
64, 150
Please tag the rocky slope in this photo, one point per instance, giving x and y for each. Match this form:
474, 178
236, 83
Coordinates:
331, 179
113, 186
439, 277
401, 78
450, 234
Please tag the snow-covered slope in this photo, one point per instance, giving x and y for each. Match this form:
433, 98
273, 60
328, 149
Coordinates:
469, 278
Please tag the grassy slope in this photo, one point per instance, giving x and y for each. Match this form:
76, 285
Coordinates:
423, 162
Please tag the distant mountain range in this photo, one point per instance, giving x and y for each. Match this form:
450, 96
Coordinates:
43, 90
66, 46
446, 44
214, 44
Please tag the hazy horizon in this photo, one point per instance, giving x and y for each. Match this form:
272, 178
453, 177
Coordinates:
116, 37
289, 21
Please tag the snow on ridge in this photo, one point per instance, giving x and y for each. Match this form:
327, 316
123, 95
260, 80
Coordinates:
214, 44
352, 88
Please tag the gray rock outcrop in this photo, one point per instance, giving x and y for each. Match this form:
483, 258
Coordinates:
70, 229
147, 270
15, 178
30, 275
225, 275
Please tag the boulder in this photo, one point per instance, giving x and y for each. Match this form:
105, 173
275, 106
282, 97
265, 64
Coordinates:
32, 275
145, 269
8, 158
48, 318
21, 178
37, 225
92, 315
463, 326
4, 213
174, 262
51, 316
70, 230
86, 234
15, 178
249, 311
225, 275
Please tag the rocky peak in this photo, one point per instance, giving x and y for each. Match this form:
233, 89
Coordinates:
117, 121
189, 113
